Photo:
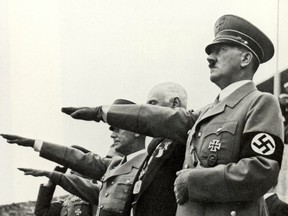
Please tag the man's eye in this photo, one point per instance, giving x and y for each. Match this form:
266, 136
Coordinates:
153, 102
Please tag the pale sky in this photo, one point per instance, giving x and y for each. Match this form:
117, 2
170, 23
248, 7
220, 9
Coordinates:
85, 53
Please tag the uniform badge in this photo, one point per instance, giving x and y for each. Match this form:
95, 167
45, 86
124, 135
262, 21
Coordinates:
263, 144
162, 147
137, 187
214, 145
78, 212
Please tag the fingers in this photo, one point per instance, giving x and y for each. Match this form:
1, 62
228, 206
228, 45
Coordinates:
76, 114
69, 110
179, 198
9, 136
23, 169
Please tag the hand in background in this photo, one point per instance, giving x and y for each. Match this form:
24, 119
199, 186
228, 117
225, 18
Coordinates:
22, 141
84, 113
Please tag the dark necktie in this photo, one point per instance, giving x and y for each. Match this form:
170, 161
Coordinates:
124, 160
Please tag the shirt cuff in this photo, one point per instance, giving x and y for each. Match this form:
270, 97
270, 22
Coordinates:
38, 145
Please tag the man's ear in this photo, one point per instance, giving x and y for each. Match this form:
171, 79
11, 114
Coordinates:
246, 58
176, 102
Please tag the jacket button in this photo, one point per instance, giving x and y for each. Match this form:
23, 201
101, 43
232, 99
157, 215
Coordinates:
199, 134
233, 213
112, 183
101, 206
106, 194
186, 166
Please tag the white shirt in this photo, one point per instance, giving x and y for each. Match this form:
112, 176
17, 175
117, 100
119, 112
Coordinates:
268, 195
231, 88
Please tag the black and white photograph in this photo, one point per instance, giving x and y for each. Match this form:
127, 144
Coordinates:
143, 108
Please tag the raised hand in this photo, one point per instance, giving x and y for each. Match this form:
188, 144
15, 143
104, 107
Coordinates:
84, 113
35, 172
22, 141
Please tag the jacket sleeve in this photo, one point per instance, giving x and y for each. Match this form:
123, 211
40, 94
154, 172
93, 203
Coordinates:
246, 180
43, 206
90, 164
151, 120
78, 186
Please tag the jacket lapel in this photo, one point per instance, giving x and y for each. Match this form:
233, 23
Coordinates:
155, 165
231, 101
126, 167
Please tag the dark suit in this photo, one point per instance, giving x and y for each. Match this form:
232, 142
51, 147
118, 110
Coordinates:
276, 207
156, 196
70, 206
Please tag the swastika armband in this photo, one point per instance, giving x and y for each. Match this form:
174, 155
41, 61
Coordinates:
262, 144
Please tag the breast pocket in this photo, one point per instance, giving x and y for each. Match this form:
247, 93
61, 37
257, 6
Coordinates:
122, 187
219, 139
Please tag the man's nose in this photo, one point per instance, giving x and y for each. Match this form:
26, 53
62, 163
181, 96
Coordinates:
211, 59
113, 135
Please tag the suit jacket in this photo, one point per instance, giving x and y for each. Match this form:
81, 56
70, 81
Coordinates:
70, 206
230, 139
156, 196
116, 178
276, 207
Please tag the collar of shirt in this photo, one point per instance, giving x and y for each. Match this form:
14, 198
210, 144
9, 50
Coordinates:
231, 88
130, 156
268, 195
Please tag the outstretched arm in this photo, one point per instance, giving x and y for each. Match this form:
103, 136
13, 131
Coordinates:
90, 165
149, 120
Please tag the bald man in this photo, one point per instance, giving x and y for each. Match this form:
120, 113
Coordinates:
152, 191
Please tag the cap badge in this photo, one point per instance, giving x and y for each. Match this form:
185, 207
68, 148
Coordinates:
219, 24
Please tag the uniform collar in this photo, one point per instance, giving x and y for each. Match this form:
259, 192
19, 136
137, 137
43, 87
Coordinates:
134, 154
231, 88
268, 195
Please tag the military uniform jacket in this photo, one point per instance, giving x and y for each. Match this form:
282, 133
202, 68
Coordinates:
239, 143
156, 196
70, 206
276, 207
76, 185
117, 183
117, 179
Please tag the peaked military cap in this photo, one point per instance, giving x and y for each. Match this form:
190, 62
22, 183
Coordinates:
119, 102
236, 30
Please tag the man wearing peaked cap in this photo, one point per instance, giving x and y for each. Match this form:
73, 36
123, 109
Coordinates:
116, 176
234, 146
238, 31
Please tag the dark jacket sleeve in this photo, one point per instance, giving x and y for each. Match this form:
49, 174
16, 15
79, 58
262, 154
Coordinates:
78, 186
153, 120
90, 165
43, 206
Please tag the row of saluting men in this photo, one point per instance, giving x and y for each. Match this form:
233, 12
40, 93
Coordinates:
218, 160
